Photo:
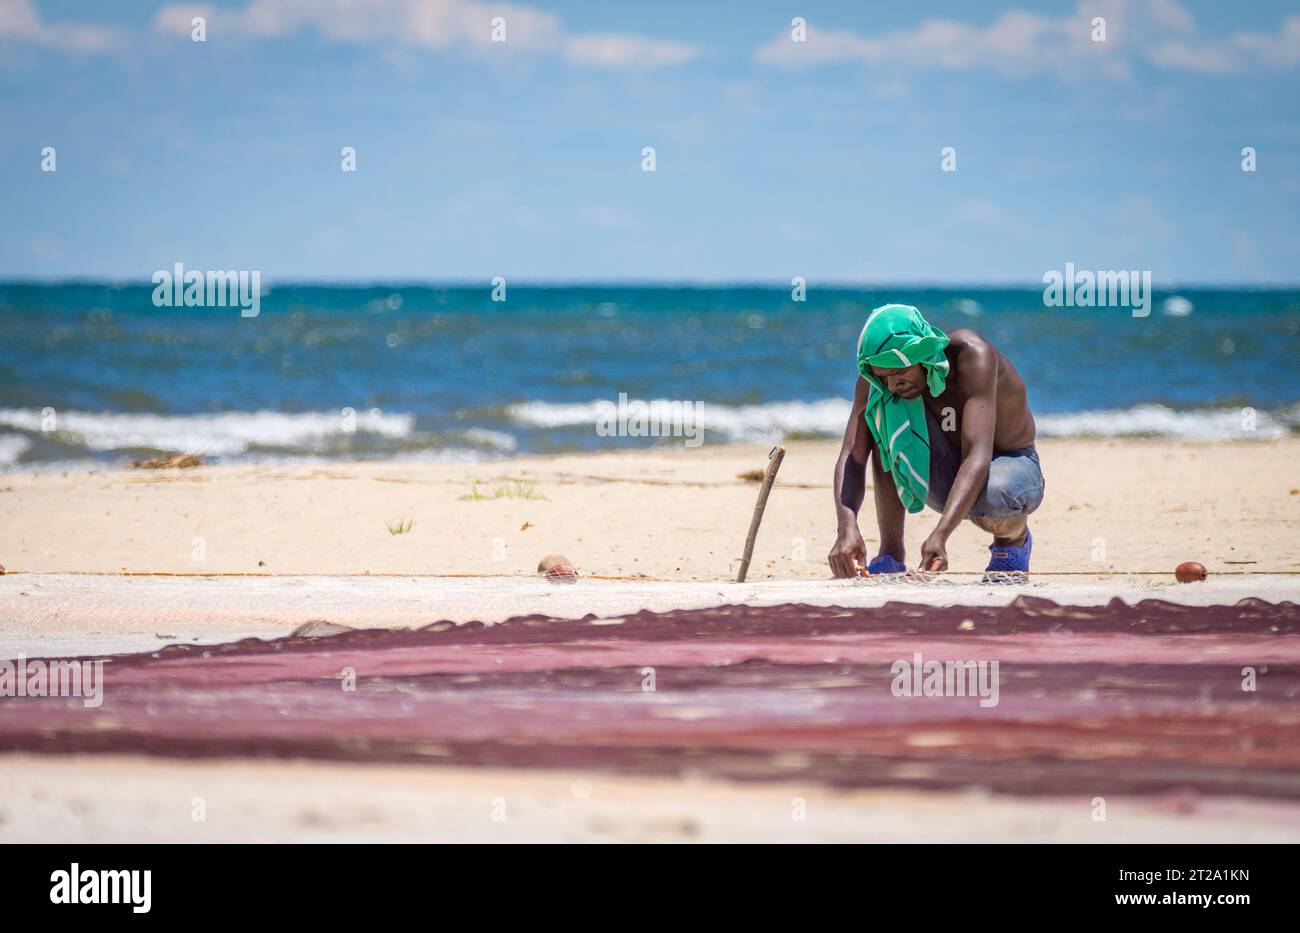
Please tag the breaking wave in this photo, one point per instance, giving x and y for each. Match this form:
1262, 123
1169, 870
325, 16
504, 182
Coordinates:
827, 417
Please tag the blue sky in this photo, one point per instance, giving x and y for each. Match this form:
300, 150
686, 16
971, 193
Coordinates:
774, 158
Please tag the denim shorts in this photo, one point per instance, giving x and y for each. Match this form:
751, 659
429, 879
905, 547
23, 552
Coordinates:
1014, 485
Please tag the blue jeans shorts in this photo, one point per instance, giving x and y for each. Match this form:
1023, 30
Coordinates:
1014, 486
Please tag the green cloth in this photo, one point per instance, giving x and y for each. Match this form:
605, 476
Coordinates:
895, 337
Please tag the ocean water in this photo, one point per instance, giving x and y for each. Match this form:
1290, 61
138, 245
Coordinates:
95, 373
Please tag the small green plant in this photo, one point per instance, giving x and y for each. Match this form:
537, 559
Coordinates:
402, 527
512, 490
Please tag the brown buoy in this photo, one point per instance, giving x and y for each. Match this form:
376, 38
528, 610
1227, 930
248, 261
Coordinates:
1189, 571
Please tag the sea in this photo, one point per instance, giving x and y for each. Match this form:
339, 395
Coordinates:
95, 373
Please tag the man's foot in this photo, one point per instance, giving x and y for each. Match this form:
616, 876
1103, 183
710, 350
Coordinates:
1009, 563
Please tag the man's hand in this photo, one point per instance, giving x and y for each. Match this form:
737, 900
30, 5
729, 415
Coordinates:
934, 553
848, 552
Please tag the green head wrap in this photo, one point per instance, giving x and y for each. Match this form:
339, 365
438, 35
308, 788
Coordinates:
895, 337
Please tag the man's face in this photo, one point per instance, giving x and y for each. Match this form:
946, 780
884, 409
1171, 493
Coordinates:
906, 383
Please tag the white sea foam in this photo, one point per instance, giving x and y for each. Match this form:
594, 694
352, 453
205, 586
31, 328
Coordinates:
498, 440
275, 437
732, 422
827, 418
225, 434
1202, 424
12, 446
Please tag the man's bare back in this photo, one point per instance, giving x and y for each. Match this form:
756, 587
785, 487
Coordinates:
1014, 424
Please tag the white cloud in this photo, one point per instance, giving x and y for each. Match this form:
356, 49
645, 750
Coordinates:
1017, 42
613, 50
19, 20
1180, 55
1276, 51
1240, 51
1171, 15
18, 17
427, 25
177, 20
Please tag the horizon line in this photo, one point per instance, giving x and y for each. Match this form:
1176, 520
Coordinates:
665, 283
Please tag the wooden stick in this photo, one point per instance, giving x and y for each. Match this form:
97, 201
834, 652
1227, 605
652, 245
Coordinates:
769, 477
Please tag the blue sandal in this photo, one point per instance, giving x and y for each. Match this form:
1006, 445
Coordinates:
1009, 564
886, 564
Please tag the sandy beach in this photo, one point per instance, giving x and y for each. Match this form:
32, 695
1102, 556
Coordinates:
108, 798
1112, 506
120, 561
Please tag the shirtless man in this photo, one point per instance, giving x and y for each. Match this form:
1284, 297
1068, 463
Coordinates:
955, 401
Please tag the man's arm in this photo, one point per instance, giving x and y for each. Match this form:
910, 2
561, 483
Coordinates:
979, 379
850, 489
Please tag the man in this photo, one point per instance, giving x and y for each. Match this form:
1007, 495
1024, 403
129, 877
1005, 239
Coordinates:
947, 424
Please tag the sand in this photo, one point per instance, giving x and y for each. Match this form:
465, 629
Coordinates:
111, 798
45, 615
655, 529
674, 515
